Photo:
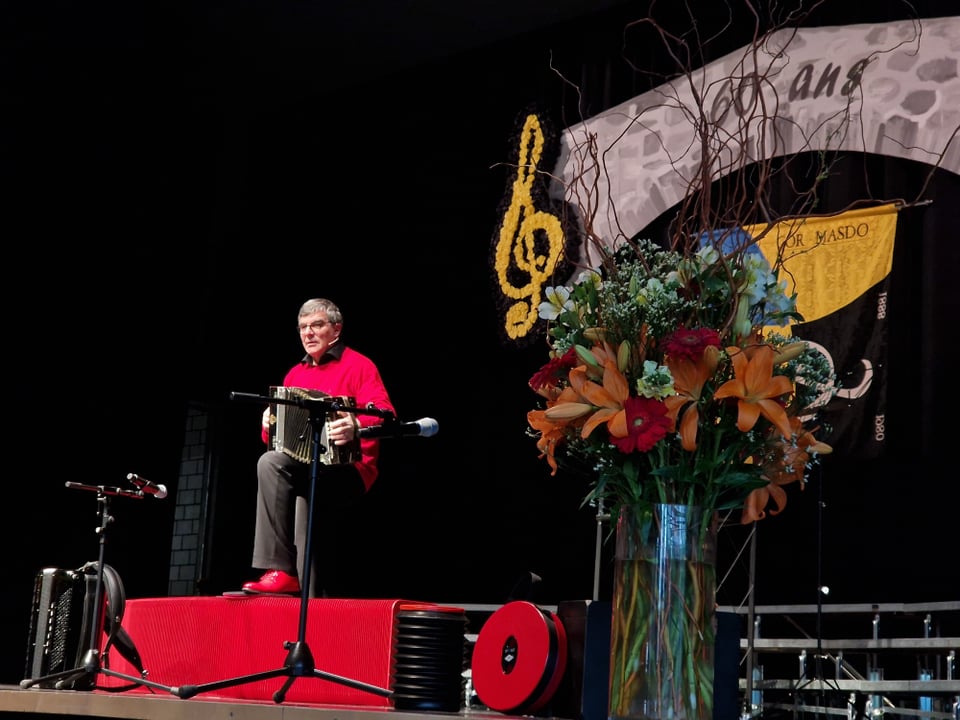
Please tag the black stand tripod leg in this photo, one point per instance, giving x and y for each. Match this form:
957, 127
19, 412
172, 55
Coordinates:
289, 669
299, 661
90, 667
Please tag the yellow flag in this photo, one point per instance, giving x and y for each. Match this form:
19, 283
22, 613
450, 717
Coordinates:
830, 261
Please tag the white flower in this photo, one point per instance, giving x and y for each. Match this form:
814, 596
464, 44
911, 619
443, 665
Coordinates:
656, 381
558, 301
708, 255
591, 276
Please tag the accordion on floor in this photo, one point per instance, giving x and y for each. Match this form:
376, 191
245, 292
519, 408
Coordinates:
291, 431
60, 625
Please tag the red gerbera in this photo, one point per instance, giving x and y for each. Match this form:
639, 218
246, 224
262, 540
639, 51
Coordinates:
691, 343
555, 371
647, 424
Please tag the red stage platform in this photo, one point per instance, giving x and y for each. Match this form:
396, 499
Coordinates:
192, 641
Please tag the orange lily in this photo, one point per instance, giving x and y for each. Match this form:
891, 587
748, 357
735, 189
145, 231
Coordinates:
596, 358
688, 380
786, 460
604, 401
784, 464
570, 403
550, 436
754, 507
610, 398
552, 426
756, 387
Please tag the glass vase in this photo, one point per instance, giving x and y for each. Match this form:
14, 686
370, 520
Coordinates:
663, 622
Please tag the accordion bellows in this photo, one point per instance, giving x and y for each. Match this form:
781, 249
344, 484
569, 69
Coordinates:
292, 419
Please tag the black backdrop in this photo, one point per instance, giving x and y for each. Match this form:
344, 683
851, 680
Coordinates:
177, 180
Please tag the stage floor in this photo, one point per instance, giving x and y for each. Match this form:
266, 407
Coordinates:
161, 706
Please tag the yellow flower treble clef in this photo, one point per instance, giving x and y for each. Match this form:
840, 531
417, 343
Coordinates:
522, 229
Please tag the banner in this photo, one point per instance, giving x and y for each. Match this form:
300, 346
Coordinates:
885, 89
839, 266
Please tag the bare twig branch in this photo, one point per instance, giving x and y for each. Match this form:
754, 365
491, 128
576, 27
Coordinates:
721, 137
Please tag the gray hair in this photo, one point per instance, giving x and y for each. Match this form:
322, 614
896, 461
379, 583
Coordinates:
322, 305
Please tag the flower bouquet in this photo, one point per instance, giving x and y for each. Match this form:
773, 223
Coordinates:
668, 380
673, 386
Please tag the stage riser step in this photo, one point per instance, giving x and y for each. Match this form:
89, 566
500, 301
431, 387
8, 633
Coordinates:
199, 640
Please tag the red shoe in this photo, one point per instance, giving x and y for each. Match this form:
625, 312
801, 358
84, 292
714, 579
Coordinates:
275, 582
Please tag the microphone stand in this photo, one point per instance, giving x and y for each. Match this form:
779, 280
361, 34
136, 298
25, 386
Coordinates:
819, 678
299, 661
90, 666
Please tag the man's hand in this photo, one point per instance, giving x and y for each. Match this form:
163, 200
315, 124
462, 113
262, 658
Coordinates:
343, 429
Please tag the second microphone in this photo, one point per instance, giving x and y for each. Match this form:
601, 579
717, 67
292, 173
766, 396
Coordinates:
147, 487
424, 427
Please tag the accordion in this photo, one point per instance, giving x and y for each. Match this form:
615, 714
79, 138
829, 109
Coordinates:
292, 433
60, 626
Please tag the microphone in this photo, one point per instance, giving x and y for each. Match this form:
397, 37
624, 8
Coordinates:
424, 427
147, 487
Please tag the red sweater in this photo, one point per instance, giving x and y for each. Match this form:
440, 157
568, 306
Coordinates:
344, 371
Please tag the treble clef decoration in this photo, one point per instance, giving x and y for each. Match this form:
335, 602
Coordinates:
531, 241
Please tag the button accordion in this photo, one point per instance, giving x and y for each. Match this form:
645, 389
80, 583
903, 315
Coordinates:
60, 625
291, 432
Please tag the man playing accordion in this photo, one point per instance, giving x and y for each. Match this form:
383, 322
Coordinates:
329, 369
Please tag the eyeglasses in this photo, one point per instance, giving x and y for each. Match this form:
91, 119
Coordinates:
316, 326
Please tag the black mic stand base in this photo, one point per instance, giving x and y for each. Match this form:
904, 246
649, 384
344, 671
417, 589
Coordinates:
90, 668
299, 663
